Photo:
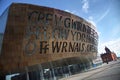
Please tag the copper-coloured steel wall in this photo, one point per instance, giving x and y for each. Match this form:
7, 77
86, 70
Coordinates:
36, 34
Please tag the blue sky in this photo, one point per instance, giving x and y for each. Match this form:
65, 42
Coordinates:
104, 14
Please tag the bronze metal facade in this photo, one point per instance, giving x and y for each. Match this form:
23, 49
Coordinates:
37, 35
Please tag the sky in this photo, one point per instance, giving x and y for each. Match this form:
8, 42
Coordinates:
104, 14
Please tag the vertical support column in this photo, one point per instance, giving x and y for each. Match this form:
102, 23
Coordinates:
69, 70
41, 72
68, 67
62, 71
52, 71
27, 73
84, 64
51, 74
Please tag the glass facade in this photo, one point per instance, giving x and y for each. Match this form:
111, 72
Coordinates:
48, 71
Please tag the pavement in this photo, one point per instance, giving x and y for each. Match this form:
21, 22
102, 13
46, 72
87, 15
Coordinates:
109, 71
